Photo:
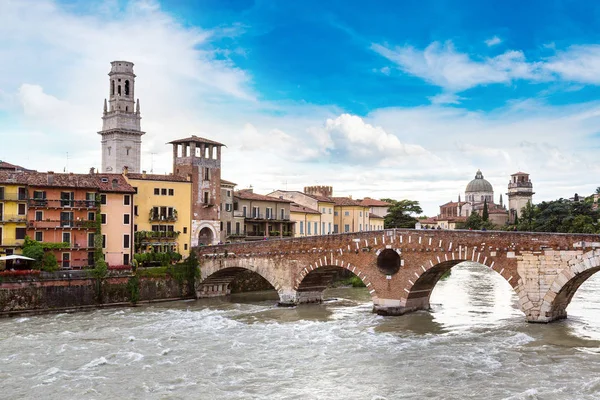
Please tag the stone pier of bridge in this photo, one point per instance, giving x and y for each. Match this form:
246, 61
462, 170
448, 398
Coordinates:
400, 268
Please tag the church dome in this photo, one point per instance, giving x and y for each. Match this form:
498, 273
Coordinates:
479, 184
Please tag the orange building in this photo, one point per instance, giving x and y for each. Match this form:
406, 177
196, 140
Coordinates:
62, 209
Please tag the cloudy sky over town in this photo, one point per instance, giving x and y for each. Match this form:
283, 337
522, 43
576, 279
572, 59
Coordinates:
382, 99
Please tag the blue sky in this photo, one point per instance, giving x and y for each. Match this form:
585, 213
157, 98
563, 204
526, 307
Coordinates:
402, 99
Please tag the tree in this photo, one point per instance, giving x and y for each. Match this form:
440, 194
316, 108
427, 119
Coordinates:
400, 213
33, 249
598, 190
49, 262
485, 215
474, 221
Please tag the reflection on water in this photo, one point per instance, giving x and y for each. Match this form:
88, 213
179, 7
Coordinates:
473, 344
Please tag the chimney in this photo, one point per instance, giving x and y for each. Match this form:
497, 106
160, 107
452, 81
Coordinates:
144, 174
115, 183
50, 176
125, 170
92, 171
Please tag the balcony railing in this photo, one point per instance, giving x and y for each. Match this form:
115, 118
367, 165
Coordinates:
157, 216
52, 224
13, 218
46, 203
147, 235
13, 197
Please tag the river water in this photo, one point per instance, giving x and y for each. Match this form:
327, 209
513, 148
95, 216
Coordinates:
475, 344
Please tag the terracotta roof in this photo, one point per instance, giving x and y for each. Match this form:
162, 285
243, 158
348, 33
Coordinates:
11, 167
428, 220
369, 202
113, 183
323, 199
345, 201
196, 139
45, 179
375, 216
14, 177
246, 194
294, 207
224, 182
454, 203
157, 177
519, 173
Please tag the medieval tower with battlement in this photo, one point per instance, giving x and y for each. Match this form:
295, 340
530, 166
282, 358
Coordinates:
121, 133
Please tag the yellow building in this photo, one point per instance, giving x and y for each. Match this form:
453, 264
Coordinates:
307, 220
375, 222
13, 211
161, 205
350, 216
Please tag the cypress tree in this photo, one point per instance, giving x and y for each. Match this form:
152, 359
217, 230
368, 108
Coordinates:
485, 215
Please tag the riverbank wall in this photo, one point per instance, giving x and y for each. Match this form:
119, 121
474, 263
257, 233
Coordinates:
74, 291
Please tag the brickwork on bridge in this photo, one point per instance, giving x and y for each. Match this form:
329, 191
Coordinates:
545, 270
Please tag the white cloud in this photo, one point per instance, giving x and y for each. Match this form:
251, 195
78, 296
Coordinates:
441, 65
445, 98
577, 64
493, 41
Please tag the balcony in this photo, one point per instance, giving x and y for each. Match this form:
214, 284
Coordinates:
56, 224
13, 197
157, 217
75, 204
150, 235
13, 218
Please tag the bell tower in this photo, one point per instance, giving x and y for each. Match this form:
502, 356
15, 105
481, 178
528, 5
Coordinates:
520, 192
121, 133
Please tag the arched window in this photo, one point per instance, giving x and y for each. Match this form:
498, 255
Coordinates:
119, 89
112, 87
127, 88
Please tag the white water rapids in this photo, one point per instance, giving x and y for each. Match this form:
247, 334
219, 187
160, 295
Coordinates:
475, 344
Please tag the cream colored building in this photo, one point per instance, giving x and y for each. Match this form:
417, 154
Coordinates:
350, 216
264, 216
307, 220
322, 204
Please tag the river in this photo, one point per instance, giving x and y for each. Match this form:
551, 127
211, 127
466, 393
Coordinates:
475, 344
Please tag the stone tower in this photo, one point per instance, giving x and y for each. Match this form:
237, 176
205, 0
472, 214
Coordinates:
520, 192
200, 159
121, 133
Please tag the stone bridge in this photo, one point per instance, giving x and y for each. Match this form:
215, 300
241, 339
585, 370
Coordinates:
401, 267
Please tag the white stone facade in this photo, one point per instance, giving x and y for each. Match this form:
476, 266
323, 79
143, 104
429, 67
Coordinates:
121, 132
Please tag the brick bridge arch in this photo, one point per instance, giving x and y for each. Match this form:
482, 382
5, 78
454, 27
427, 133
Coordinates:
530, 262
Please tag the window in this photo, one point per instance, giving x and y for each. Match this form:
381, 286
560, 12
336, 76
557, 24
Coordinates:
156, 191
135, 228
229, 193
335, 214
244, 211
66, 199
66, 218
360, 227
329, 230
185, 246
302, 227
21, 209
90, 258
126, 241
1, 193
346, 228
360, 214
126, 200
66, 237
90, 240
206, 174
125, 219
308, 228
269, 212
90, 199
346, 213
103, 241
135, 210
205, 197
66, 260
22, 193
335, 228
91, 216
163, 192
171, 192
19, 233
316, 228
255, 212
228, 207
102, 199
126, 259
103, 219
39, 236
229, 227
323, 228
185, 229
39, 215
330, 211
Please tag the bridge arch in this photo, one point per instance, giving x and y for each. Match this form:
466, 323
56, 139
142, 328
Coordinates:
317, 276
558, 297
418, 289
217, 277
